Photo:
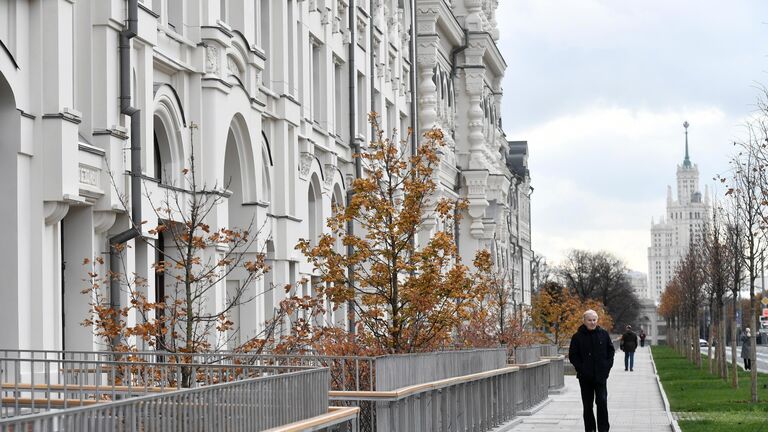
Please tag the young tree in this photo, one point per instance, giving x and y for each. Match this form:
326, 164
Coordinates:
557, 313
405, 298
194, 313
717, 270
690, 280
747, 191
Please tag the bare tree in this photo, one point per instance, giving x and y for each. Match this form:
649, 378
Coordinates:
601, 276
717, 269
748, 192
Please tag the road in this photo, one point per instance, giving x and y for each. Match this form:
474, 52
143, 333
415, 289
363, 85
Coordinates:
762, 356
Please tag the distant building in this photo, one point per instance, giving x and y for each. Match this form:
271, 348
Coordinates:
639, 282
650, 322
679, 227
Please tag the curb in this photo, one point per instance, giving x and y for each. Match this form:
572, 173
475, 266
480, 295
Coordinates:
672, 421
536, 408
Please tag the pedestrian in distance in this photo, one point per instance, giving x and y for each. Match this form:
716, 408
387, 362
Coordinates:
628, 344
642, 338
591, 354
746, 349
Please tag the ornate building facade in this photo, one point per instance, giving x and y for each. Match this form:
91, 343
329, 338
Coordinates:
682, 225
101, 99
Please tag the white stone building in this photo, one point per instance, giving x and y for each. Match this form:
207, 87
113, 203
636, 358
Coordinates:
278, 91
639, 283
682, 224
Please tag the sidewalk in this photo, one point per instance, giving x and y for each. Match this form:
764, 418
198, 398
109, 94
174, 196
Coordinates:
634, 402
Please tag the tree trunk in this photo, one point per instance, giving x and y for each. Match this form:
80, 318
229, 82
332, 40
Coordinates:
734, 365
753, 343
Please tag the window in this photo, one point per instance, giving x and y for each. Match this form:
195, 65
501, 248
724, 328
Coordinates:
318, 113
264, 24
338, 95
176, 16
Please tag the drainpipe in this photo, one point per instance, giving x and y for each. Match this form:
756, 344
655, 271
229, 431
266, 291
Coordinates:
456, 51
352, 65
414, 84
372, 65
530, 192
128, 33
518, 248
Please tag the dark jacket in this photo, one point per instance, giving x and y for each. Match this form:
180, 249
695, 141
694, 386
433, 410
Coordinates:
629, 341
591, 354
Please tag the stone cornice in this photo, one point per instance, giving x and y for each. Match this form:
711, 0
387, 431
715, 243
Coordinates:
484, 40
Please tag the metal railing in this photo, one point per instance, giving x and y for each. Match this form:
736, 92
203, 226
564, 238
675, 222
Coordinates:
396, 371
352, 373
347, 372
476, 402
33, 385
533, 382
251, 404
556, 372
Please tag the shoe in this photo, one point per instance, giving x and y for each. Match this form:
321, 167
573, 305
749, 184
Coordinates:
631, 370
625, 369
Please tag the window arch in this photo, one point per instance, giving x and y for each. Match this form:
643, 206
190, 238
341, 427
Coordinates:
168, 143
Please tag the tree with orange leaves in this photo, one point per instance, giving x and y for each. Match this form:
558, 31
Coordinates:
557, 313
404, 298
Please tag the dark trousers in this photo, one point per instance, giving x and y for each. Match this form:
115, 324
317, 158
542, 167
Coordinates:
597, 393
748, 364
629, 360
642, 342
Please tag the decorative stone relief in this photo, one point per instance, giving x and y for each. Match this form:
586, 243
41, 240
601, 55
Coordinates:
329, 172
475, 181
89, 176
325, 16
212, 60
233, 68
305, 164
361, 31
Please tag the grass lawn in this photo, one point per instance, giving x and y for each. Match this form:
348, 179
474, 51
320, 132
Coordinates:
706, 403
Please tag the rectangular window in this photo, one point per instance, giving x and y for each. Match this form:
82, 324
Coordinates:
292, 47
338, 96
176, 16
362, 118
266, 40
317, 82
391, 121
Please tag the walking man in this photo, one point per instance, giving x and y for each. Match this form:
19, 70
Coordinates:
629, 345
591, 354
642, 338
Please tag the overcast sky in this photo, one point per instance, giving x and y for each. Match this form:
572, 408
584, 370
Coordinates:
600, 89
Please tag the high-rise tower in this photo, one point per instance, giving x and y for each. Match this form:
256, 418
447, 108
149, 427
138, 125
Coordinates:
681, 225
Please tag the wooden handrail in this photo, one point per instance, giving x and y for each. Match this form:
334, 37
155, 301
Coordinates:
334, 415
419, 388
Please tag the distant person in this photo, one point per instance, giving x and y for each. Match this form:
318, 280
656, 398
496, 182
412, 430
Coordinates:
591, 354
746, 349
642, 338
628, 344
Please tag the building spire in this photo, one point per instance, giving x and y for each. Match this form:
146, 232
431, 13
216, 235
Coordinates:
687, 160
